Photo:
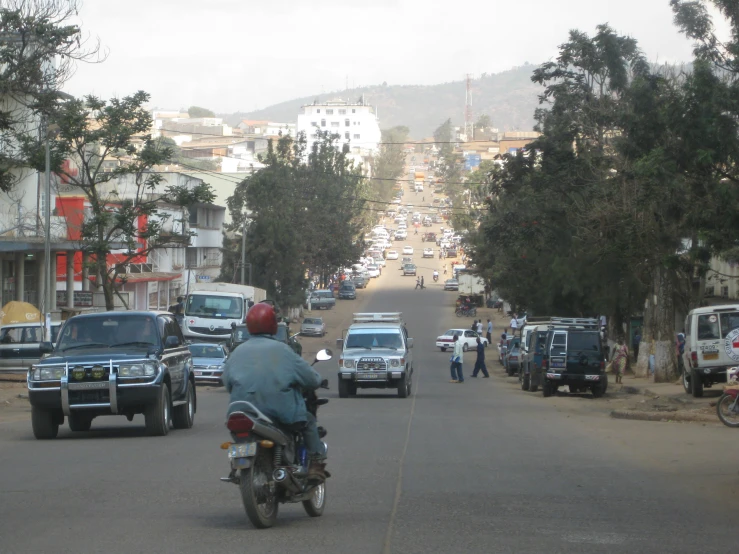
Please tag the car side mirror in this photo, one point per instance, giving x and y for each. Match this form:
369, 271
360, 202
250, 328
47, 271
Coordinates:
171, 341
410, 343
340, 343
324, 355
46, 347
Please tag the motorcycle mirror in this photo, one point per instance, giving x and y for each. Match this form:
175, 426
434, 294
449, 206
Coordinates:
324, 355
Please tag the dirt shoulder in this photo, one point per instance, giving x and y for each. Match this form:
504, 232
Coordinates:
14, 404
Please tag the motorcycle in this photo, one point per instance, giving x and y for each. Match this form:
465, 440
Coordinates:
436, 277
727, 407
468, 312
269, 462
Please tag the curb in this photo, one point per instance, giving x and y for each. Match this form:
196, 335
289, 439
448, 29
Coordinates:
662, 416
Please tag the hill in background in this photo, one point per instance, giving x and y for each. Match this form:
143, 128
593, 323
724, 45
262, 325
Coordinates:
509, 98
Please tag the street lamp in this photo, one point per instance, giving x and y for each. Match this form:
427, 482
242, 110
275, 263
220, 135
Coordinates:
49, 132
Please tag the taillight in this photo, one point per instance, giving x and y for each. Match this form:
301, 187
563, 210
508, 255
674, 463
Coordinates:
602, 365
694, 358
239, 423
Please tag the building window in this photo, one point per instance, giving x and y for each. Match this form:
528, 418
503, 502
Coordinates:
329, 112
356, 136
725, 292
346, 123
346, 135
323, 123
334, 124
709, 291
354, 111
314, 123
342, 112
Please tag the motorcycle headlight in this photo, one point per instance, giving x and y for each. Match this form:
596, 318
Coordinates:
145, 369
349, 364
47, 373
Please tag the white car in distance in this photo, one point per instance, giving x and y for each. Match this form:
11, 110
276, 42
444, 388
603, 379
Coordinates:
407, 249
392, 255
373, 270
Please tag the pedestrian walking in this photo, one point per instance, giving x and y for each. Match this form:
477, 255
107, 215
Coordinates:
422, 287
514, 323
620, 357
635, 343
444, 269
456, 361
473, 327
480, 360
418, 283
479, 327
489, 335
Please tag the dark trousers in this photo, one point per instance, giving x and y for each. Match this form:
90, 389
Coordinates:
636, 353
456, 370
490, 338
480, 365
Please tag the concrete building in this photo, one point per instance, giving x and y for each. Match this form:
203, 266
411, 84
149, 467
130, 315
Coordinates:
354, 123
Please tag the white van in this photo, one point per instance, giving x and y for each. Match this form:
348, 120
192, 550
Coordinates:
711, 346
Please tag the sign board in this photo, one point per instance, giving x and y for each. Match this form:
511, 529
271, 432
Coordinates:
82, 298
471, 161
203, 277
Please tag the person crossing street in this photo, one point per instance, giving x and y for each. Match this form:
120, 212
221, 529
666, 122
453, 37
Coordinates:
480, 360
456, 361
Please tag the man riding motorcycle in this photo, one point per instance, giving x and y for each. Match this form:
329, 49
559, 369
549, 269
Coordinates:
271, 376
436, 275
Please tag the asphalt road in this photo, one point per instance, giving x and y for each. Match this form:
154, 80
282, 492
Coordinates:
475, 467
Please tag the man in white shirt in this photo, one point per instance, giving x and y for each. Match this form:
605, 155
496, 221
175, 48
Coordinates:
456, 361
479, 327
514, 323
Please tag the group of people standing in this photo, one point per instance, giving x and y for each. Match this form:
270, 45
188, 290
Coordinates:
457, 355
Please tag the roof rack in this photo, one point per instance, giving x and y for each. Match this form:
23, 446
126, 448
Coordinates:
378, 317
583, 322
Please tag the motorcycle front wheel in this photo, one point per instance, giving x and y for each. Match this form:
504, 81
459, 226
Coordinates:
725, 411
260, 501
314, 507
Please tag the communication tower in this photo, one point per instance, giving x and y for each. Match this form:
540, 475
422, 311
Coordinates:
468, 125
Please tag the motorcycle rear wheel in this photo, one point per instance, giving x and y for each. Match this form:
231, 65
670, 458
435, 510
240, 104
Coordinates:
315, 506
260, 503
727, 417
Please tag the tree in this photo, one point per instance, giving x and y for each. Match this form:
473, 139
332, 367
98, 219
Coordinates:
388, 166
124, 203
302, 213
197, 111
32, 34
483, 122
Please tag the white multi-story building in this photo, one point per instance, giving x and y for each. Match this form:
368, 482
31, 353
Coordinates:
355, 123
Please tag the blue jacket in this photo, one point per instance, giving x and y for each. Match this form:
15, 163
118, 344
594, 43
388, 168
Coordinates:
270, 375
481, 352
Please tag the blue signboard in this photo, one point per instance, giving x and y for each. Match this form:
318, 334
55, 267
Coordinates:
471, 161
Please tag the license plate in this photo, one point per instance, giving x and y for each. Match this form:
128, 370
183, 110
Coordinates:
242, 450
369, 375
558, 364
198, 373
710, 355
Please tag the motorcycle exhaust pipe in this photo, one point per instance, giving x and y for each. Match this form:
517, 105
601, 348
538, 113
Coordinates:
285, 479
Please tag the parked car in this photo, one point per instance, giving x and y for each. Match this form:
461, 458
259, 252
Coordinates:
467, 336
360, 281
373, 270
313, 326
20, 344
532, 356
207, 362
347, 291
392, 254
409, 269
322, 300
512, 359
451, 284
711, 346
428, 253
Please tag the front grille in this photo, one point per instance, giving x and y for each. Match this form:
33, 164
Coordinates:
371, 364
207, 331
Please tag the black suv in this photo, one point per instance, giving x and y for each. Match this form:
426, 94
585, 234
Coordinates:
114, 363
573, 356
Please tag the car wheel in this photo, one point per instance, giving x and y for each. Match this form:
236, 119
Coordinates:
465, 347
525, 382
183, 416
343, 388
686, 381
697, 384
546, 388
404, 387
45, 424
157, 415
443, 349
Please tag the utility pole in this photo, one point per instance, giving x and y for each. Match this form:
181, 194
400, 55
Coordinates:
47, 236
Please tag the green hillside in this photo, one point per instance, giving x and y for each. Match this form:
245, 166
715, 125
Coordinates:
509, 98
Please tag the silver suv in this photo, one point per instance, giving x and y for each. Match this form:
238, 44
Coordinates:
376, 354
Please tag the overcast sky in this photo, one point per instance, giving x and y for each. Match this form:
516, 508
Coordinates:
230, 55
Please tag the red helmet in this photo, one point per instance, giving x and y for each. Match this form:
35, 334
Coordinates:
261, 319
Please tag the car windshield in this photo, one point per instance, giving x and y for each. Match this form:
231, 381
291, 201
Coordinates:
374, 339
108, 331
579, 342
312, 321
452, 332
217, 307
206, 351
